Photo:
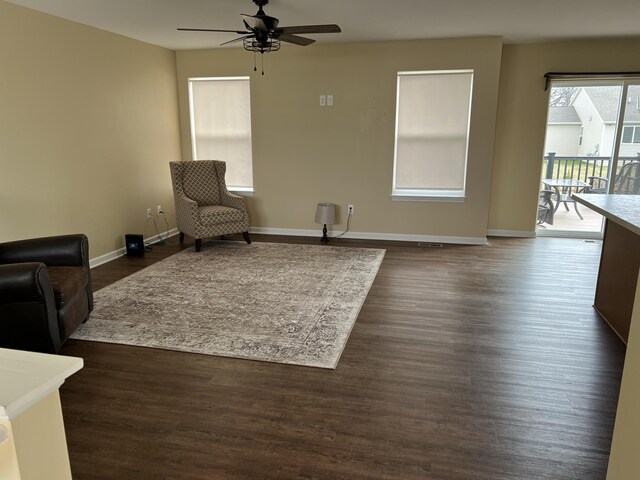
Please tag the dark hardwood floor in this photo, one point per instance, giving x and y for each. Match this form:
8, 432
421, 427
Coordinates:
466, 362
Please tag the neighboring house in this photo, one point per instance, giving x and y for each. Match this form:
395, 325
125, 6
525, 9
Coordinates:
564, 129
587, 126
594, 119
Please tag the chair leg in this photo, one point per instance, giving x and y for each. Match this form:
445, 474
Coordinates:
181, 237
557, 191
198, 244
575, 205
246, 236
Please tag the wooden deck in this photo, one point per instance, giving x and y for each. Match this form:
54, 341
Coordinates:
569, 221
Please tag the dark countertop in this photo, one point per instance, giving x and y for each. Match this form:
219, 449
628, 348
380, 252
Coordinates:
622, 209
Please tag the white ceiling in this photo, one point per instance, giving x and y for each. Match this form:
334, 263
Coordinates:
518, 21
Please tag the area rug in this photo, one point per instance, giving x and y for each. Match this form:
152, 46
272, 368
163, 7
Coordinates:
273, 302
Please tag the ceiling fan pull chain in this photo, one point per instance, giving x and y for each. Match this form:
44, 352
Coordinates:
255, 69
262, 55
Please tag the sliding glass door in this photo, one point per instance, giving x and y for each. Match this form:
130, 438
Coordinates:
592, 145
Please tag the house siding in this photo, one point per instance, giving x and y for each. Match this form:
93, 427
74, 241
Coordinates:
562, 139
592, 141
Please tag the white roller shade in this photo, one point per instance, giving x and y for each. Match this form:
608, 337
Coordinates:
432, 131
221, 125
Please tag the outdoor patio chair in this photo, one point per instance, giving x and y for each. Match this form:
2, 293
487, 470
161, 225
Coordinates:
546, 208
627, 181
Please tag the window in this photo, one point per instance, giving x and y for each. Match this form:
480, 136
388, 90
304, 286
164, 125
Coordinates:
581, 136
220, 110
631, 134
433, 110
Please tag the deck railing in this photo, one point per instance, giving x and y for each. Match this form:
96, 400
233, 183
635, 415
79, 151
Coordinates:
580, 168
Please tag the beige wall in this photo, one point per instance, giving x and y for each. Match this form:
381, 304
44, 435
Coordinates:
522, 110
88, 124
304, 153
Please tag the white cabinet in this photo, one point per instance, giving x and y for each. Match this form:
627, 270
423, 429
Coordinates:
32, 440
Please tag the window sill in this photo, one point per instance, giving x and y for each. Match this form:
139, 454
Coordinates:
427, 198
244, 192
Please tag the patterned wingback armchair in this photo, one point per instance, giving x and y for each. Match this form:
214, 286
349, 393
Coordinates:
204, 206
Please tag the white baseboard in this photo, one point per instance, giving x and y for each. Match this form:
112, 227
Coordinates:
108, 257
511, 233
289, 232
401, 237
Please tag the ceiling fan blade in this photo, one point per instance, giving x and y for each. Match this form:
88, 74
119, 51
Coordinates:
332, 28
254, 23
212, 30
236, 39
303, 41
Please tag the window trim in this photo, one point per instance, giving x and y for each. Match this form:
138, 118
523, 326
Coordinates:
431, 194
412, 195
242, 191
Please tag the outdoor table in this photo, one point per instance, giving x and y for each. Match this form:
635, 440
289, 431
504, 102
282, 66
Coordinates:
562, 188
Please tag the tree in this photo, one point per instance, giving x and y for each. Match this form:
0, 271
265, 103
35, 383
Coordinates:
562, 96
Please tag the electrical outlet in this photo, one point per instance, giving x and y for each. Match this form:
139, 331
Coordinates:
350, 210
159, 208
148, 213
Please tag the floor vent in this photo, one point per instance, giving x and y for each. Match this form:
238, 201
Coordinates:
430, 245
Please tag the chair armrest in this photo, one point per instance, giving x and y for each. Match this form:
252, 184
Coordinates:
232, 200
28, 315
546, 196
597, 184
63, 250
25, 282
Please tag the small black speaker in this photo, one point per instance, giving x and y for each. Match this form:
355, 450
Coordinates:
134, 244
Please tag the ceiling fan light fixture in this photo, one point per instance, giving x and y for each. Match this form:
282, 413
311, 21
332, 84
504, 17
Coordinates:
252, 45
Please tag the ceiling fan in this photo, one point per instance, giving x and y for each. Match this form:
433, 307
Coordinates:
263, 35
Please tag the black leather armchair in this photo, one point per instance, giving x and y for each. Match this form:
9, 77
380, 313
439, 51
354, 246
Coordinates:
45, 291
